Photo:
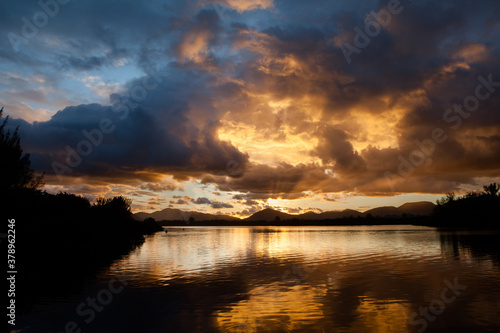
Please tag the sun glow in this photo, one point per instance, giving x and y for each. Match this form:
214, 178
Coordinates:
276, 203
268, 147
375, 129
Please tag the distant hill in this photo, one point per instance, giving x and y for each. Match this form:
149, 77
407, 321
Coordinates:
383, 211
413, 208
269, 215
171, 214
418, 208
339, 214
410, 208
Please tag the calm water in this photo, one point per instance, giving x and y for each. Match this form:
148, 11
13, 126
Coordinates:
290, 279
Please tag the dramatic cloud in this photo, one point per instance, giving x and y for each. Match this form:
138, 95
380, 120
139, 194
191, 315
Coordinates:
214, 204
159, 187
257, 99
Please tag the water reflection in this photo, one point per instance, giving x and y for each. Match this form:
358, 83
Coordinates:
189, 251
331, 279
479, 244
310, 279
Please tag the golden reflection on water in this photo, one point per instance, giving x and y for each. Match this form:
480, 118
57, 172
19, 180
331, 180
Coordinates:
267, 309
274, 309
387, 316
333, 279
300, 308
192, 250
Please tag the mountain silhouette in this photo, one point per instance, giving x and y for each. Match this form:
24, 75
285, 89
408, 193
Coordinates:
269, 214
411, 209
417, 208
172, 214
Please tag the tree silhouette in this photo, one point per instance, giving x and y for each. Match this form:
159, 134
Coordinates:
121, 204
116, 207
474, 209
450, 197
79, 238
492, 189
15, 171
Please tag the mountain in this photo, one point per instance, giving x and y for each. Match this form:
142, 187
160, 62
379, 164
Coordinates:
171, 214
417, 208
339, 214
410, 208
268, 214
383, 211
413, 208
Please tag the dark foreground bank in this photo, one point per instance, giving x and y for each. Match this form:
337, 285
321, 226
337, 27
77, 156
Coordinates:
62, 240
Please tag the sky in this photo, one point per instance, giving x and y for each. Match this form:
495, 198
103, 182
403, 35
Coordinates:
229, 107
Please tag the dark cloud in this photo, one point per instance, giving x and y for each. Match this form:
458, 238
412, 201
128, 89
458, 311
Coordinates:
159, 187
202, 201
219, 205
74, 138
248, 211
179, 202
273, 70
213, 203
263, 181
334, 146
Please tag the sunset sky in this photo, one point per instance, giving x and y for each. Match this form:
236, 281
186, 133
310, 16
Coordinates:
233, 106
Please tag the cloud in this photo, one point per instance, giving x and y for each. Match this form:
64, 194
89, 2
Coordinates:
218, 205
243, 5
259, 100
263, 181
247, 212
202, 201
179, 202
213, 203
159, 187
330, 198
334, 146
196, 42
137, 146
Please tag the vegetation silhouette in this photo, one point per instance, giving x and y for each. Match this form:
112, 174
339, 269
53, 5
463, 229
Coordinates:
472, 210
15, 171
61, 239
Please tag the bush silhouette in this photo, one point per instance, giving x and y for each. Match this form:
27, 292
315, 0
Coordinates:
15, 171
78, 237
474, 209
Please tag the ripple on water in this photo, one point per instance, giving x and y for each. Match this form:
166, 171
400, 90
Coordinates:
314, 279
